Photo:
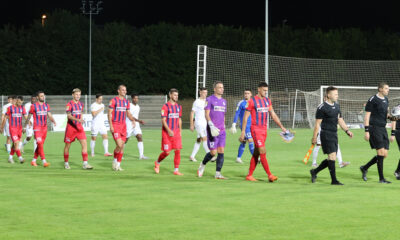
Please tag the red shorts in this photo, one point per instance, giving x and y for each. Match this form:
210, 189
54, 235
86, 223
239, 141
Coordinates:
71, 133
119, 131
40, 134
168, 143
15, 133
259, 135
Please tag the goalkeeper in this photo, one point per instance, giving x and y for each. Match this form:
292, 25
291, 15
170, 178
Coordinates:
215, 115
240, 110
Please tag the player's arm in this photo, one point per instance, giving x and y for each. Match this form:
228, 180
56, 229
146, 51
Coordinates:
109, 116
3, 123
72, 118
366, 125
316, 130
27, 121
165, 125
180, 125
130, 117
244, 125
344, 126
235, 118
94, 113
393, 134
51, 118
276, 119
192, 121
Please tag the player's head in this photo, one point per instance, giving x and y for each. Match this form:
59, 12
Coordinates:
122, 90
76, 94
33, 98
203, 92
262, 89
247, 94
135, 98
173, 94
40, 96
332, 94
383, 88
11, 98
99, 98
218, 88
19, 100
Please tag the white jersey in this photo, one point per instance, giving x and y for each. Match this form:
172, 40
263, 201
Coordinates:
199, 113
134, 109
27, 109
4, 110
97, 120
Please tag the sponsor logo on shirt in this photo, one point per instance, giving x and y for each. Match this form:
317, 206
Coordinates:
123, 109
76, 112
41, 113
262, 109
173, 115
219, 108
16, 115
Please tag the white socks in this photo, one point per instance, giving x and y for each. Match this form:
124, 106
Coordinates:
8, 147
195, 149
315, 154
339, 155
205, 147
141, 148
92, 145
105, 145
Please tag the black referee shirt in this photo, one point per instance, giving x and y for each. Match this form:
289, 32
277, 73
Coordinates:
329, 115
378, 107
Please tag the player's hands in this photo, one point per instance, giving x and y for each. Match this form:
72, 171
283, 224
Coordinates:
233, 128
191, 127
170, 133
141, 122
54, 123
111, 129
349, 133
241, 138
23, 130
214, 129
366, 136
392, 138
314, 140
133, 124
81, 120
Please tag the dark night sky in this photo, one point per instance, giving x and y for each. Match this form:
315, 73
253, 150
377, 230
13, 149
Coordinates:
323, 13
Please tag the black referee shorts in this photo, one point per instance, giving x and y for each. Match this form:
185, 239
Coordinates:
378, 137
329, 141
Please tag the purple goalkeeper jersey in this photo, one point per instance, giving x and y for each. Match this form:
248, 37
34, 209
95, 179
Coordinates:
217, 107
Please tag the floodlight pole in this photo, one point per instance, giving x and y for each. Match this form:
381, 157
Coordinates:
93, 8
266, 41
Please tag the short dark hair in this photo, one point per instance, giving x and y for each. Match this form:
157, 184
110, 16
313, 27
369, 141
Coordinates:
33, 96
330, 89
39, 92
11, 96
262, 84
216, 83
173, 90
382, 84
133, 95
202, 89
247, 90
98, 95
20, 97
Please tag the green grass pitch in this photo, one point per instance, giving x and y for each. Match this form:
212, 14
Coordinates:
53, 203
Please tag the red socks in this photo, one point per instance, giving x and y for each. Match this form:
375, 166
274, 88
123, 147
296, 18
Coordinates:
18, 152
85, 156
264, 162
119, 156
162, 156
177, 158
66, 156
253, 165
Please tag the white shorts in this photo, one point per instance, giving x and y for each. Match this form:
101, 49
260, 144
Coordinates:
98, 129
130, 131
29, 131
201, 130
6, 130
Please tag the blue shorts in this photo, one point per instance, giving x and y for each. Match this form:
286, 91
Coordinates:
247, 134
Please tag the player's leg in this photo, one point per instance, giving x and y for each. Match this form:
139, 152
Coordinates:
397, 171
140, 145
220, 162
251, 145
332, 169
382, 154
18, 151
85, 165
253, 164
177, 146
92, 144
264, 162
66, 155
11, 154
196, 148
315, 155
105, 145
118, 154
340, 159
241, 148
40, 146
329, 146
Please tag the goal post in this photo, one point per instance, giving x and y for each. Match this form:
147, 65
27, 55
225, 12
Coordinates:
352, 100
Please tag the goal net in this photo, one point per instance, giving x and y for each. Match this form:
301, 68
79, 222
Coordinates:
352, 100
293, 82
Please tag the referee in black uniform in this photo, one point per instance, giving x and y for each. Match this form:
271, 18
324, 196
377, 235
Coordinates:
328, 116
396, 134
376, 113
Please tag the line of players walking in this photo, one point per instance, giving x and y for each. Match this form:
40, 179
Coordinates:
207, 118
